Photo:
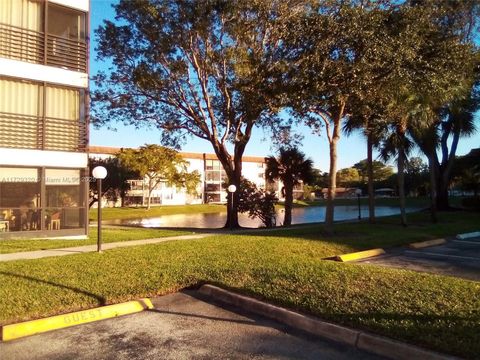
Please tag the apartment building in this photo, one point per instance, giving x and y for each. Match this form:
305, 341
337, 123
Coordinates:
43, 118
210, 189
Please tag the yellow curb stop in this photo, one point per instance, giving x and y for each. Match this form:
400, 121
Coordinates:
359, 255
27, 328
424, 244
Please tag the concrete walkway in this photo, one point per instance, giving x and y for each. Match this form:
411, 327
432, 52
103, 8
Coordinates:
28, 255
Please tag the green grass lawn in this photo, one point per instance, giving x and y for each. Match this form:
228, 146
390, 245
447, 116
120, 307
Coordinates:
282, 267
142, 212
108, 235
387, 232
438, 312
418, 202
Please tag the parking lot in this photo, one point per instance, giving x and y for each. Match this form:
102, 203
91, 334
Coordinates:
458, 257
181, 326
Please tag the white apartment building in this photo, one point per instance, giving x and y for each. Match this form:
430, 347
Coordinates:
212, 177
43, 117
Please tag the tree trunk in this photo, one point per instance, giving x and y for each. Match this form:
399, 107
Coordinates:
288, 204
371, 190
234, 178
93, 201
401, 172
433, 188
442, 193
332, 187
150, 188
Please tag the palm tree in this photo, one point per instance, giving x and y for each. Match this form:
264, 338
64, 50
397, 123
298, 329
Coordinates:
373, 128
398, 145
292, 168
457, 120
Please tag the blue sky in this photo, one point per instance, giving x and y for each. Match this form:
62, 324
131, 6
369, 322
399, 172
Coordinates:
350, 149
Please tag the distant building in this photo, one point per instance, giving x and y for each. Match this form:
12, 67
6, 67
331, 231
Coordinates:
43, 118
210, 189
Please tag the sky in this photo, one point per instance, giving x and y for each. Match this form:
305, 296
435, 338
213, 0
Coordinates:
351, 149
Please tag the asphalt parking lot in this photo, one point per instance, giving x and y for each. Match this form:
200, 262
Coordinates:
182, 326
458, 257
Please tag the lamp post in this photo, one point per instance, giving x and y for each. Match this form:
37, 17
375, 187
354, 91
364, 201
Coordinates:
231, 189
358, 192
99, 173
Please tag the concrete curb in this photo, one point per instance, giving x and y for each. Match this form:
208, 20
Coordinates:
427, 243
359, 255
468, 235
364, 341
27, 328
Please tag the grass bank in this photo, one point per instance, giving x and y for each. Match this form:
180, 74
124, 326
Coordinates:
142, 212
416, 202
387, 231
108, 235
285, 268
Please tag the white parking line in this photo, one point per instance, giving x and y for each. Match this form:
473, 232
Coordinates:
442, 255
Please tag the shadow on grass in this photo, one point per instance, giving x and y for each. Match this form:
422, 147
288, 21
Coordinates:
101, 300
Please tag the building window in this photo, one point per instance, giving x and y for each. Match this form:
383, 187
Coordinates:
213, 187
21, 207
25, 124
213, 165
19, 199
23, 35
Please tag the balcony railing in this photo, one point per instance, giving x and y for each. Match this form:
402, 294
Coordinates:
32, 132
27, 45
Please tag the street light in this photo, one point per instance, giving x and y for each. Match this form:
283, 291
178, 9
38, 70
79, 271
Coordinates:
358, 192
231, 189
99, 173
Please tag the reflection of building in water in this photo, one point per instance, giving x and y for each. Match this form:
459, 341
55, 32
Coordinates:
210, 190
43, 136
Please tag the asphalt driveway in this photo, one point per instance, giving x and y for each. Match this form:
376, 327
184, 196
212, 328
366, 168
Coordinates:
182, 326
458, 257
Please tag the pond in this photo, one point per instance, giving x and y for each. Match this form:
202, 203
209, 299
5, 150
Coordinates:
217, 220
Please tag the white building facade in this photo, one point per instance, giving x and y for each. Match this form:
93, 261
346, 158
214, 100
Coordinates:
43, 118
210, 189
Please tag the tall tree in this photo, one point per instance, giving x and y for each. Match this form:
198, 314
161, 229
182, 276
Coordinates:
115, 185
429, 71
292, 168
336, 64
456, 120
198, 68
348, 177
159, 164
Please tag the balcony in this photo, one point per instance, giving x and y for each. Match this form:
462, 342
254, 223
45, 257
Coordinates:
27, 45
32, 132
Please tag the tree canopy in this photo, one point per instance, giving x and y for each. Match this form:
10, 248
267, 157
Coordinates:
193, 68
160, 164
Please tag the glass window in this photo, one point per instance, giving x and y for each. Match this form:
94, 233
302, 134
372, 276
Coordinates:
66, 23
213, 198
216, 165
25, 14
63, 188
19, 199
63, 103
213, 176
21, 98
62, 177
213, 187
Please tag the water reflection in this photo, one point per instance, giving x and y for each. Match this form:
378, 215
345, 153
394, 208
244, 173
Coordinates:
217, 220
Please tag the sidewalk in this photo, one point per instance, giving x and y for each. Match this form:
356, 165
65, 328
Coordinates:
28, 255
